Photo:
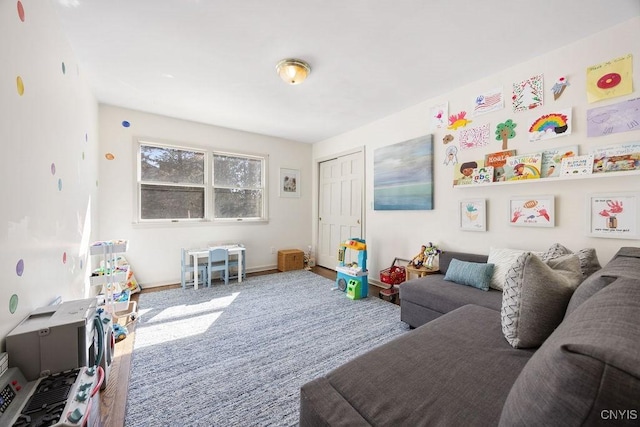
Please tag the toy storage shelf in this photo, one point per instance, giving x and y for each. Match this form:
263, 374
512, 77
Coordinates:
558, 179
116, 297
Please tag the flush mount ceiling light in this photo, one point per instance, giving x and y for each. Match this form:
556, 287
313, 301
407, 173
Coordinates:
293, 71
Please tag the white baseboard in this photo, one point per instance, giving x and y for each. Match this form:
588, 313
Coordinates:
177, 281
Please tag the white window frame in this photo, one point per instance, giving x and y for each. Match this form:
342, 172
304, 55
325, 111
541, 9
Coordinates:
264, 159
207, 184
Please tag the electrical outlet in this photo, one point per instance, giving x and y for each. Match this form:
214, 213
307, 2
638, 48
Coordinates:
273, 250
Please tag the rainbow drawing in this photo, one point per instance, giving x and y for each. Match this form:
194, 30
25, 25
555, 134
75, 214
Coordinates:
551, 126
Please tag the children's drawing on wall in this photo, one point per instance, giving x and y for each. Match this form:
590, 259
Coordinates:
614, 215
458, 120
451, 156
621, 117
488, 101
551, 125
447, 138
439, 114
505, 131
527, 94
610, 79
532, 211
558, 88
474, 137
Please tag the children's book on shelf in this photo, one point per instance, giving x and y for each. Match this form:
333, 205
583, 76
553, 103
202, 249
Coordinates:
482, 175
526, 166
497, 161
552, 160
577, 165
463, 172
614, 158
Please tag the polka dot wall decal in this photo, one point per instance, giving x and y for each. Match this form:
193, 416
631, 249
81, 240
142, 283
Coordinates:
64, 257
20, 85
64, 69
109, 156
60, 184
20, 267
126, 124
13, 303
86, 137
83, 155
20, 11
53, 168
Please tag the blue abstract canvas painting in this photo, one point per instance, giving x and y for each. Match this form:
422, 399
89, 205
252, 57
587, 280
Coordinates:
403, 175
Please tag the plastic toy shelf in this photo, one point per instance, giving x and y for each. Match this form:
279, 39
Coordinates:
110, 276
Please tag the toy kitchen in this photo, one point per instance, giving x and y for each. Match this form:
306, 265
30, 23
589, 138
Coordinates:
57, 360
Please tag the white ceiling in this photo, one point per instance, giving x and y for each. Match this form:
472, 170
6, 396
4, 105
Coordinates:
213, 61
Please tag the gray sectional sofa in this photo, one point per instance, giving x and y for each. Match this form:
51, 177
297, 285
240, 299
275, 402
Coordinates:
458, 368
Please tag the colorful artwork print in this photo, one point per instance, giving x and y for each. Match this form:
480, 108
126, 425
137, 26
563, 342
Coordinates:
488, 101
497, 161
614, 158
473, 215
458, 120
532, 211
439, 114
610, 79
403, 175
621, 117
552, 160
474, 137
614, 216
558, 88
551, 125
523, 167
527, 94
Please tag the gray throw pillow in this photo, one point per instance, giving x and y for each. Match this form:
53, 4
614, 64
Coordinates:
535, 297
474, 274
589, 263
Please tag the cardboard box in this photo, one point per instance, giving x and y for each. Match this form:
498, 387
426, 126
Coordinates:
290, 259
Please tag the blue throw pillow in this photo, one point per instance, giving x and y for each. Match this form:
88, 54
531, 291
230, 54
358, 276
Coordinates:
474, 274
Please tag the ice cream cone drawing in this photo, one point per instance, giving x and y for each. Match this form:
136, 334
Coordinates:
559, 87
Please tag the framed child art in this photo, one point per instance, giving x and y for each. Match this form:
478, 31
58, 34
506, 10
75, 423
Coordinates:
532, 211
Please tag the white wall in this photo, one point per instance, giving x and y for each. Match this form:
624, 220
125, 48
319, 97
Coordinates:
392, 234
154, 250
47, 226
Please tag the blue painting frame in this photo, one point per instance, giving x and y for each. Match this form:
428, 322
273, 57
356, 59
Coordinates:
403, 175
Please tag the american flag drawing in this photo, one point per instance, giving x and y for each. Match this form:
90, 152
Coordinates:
488, 101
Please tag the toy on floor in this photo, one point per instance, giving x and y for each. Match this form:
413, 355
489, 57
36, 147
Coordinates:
352, 277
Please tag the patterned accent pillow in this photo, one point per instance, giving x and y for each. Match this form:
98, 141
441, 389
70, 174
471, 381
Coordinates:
474, 274
589, 263
502, 259
535, 297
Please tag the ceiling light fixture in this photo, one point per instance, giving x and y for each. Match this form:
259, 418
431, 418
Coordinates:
293, 71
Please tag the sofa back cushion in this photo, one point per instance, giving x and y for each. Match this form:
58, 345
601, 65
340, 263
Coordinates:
444, 259
587, 368
625, 263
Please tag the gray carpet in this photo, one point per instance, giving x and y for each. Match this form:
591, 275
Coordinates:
237, 355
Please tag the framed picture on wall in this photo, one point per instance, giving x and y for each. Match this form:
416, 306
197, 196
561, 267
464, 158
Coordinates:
472, 214
613, 215
532, 211
289, 182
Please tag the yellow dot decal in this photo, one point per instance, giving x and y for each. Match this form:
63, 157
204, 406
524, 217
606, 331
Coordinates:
20, 85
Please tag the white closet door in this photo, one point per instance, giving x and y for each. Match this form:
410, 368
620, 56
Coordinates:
340, 206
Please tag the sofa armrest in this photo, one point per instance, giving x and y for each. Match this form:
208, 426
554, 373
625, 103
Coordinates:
322, 405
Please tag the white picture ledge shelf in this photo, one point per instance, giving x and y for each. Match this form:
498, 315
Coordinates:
557, 179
